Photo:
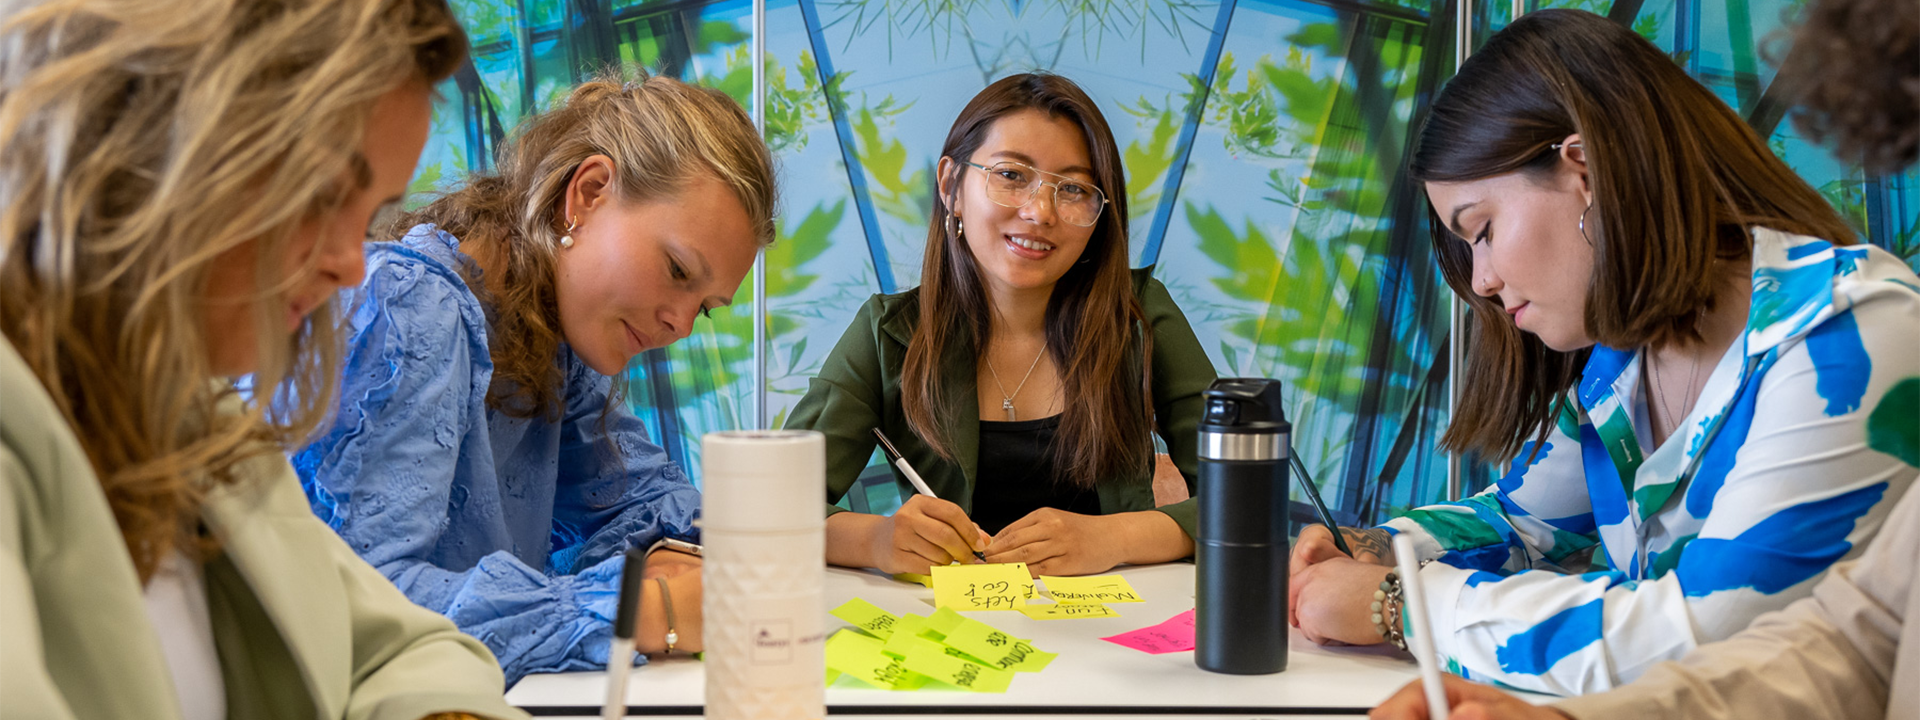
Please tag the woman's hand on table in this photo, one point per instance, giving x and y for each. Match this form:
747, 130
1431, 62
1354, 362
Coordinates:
650, 637
1331, 601
1057, 542
1315, 545
1465, 701
670, 563
924, 533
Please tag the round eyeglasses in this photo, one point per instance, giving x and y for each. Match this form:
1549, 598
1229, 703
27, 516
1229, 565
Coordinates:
1014, 184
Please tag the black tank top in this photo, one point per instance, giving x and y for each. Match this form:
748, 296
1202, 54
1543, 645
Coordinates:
1017, 477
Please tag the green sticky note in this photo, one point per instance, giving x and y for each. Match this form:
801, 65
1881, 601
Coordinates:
905, 633
860, 657
866, 616
914, 578
933, 661
994, 586
1062, 611
1092, 589
833, 675
999, 649
943, 620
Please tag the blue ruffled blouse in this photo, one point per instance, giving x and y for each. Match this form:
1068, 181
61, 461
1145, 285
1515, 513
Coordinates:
512, 527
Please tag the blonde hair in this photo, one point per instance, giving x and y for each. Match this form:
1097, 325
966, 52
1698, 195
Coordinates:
659, 132
139, 141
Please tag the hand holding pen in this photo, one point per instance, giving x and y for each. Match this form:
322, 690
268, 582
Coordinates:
926, 529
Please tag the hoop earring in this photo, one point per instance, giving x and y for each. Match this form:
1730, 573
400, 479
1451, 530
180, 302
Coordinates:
1583, 223
566, 241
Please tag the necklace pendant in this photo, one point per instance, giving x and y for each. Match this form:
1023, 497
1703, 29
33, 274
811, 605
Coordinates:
1007, 405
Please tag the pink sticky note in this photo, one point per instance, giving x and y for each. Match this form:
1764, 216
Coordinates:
1174, 635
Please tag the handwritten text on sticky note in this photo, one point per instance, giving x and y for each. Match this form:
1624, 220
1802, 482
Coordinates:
859, 657
1094, 589
866, 616
1063, 611
1174, 635
978, 639
1003, 586
933, 661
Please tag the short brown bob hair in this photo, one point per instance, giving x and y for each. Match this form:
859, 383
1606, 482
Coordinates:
1679, 181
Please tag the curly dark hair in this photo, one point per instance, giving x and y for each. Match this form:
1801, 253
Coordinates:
1864, 90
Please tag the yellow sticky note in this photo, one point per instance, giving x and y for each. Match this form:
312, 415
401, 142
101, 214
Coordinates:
999, 649
1001, 586
914, 578
859, 657
905, 633
943, 620
933, 660
1093, 589
868, 617
1061, 611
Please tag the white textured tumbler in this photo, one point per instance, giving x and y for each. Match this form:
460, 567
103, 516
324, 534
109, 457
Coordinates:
764, 532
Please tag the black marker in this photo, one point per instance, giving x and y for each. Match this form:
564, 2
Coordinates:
1319, 507
620, 648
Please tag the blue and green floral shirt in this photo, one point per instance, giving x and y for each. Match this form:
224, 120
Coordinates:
1801, 442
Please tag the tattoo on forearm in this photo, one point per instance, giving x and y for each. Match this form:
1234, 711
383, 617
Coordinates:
1369, 541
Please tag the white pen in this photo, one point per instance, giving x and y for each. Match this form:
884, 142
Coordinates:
620, 648
920, 486
1419, 636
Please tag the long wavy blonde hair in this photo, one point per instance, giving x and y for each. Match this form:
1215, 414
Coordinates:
659, 132
139, 141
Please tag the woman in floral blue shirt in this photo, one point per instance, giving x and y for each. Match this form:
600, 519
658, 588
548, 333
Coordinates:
1694, 369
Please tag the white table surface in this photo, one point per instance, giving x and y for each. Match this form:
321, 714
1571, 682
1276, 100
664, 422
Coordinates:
1090, 677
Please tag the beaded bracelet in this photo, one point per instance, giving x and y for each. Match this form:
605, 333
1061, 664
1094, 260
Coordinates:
1386, 607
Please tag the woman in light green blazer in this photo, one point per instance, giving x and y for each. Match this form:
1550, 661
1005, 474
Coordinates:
182, 187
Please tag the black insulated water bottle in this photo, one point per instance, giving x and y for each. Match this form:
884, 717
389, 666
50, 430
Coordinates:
1240, 604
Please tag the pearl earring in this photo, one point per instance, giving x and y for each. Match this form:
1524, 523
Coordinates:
566, 241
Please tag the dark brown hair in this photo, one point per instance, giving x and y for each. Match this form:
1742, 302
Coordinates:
1096, 330
1860, 66
659, 132
1678, 183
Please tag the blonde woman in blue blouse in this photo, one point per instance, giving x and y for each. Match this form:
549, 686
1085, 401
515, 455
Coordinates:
1692, 366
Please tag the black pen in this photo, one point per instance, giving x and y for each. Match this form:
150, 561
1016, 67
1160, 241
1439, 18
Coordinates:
620, 648
900, 461
1319, 507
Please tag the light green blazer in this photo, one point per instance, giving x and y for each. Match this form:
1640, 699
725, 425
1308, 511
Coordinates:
304, 628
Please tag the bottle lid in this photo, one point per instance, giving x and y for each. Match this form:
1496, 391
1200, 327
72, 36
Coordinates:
763, 480
1243, 405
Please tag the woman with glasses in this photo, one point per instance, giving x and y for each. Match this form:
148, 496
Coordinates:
1024, 377
481, 457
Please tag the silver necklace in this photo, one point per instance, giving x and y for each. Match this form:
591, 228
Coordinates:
1006, 400
1660, 388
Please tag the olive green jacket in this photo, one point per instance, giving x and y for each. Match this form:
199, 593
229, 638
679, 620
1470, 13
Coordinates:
304, 628
858, 389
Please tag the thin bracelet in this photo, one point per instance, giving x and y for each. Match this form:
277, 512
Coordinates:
667, 598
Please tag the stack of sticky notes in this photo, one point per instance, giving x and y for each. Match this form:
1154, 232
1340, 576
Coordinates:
908, 652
